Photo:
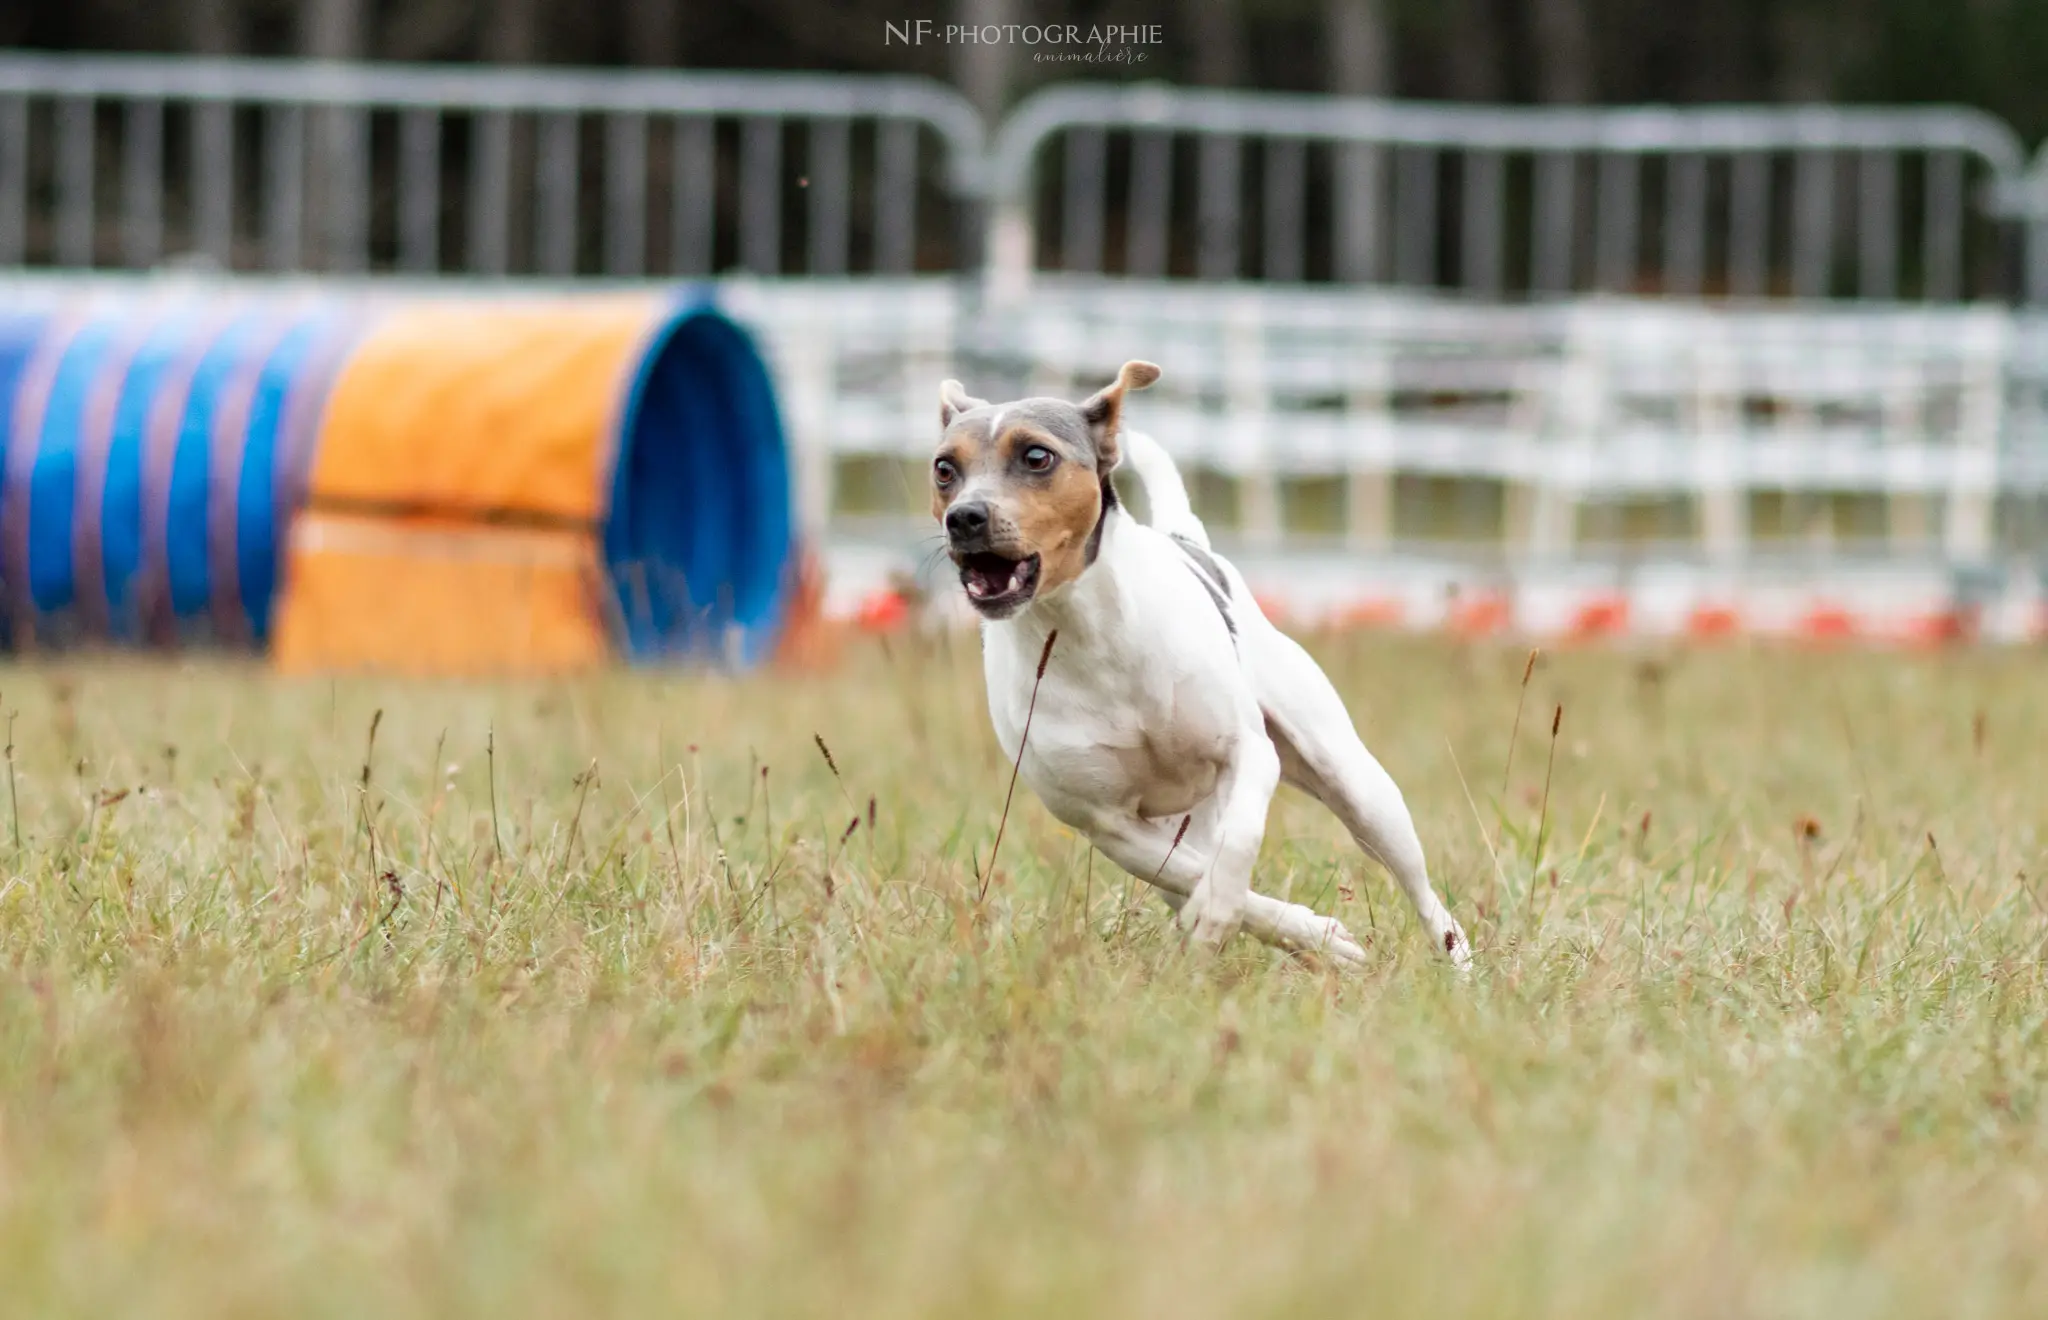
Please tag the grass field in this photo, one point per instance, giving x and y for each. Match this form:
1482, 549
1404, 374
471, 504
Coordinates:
582, 999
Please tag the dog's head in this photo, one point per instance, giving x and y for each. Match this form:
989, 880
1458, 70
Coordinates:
1022, 488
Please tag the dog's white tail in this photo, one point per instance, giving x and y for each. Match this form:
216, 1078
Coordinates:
1165, 494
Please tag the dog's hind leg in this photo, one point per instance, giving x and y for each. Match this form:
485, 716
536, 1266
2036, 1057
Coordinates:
1289, 926
1321, 754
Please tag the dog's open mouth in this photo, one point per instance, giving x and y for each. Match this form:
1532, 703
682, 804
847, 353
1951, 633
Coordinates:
997, 584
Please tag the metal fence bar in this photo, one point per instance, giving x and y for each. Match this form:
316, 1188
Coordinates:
693, 203
1619, 202
1482, 203
625, 194
284, 184
1813, 200
345, 180
1877, 193
555, 213
2030, 205
1281, 222
1942, 256
1145, 238
1749, 225
1553, 224
761, 196
326, 227
1083, 197
360, 183
1685, 223
1358, 184
1415, 210
490, 194
2037, 259
419, 191
75, 216
1217, 219
1425, 124
830, 170
213, 183
896, 197
13, 180
142, 183
477, 89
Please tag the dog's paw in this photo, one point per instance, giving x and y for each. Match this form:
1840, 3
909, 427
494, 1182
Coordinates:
1334, 940
1209, 921
1455, 946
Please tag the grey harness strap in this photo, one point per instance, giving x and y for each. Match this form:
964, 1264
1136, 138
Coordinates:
1210, 576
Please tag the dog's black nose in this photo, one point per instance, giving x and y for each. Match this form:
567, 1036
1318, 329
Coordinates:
967, 522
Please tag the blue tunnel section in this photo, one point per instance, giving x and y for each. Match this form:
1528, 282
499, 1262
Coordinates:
699, 541
156, 448
142, 494
20, 333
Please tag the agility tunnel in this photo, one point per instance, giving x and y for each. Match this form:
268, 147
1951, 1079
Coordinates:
440, 487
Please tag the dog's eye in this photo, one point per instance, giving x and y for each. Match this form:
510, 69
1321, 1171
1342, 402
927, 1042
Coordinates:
944, 473
1038, 458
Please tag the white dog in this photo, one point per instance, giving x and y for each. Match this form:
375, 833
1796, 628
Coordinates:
1171, 708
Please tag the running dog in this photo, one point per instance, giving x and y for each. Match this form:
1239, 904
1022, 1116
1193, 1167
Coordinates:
1171, 708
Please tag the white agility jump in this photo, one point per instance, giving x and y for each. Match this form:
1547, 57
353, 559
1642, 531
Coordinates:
1604, 464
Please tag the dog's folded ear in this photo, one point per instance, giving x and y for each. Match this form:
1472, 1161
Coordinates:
1104, 410
954, 400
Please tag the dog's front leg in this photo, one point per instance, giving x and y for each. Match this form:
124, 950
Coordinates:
1215, 908
1147, 850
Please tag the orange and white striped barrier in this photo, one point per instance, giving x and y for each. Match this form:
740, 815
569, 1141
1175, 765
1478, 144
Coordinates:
1901, 610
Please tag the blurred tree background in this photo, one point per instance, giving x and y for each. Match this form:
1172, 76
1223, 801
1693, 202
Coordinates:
1987, 53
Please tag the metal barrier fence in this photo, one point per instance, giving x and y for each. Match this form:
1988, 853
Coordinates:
1501, 200
2027, 200
281, 166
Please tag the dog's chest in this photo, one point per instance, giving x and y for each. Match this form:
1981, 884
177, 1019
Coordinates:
1150, 740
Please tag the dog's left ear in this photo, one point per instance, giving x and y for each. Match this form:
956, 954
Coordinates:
1104, 411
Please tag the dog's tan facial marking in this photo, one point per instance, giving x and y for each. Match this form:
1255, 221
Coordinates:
961, 457
1052, 500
